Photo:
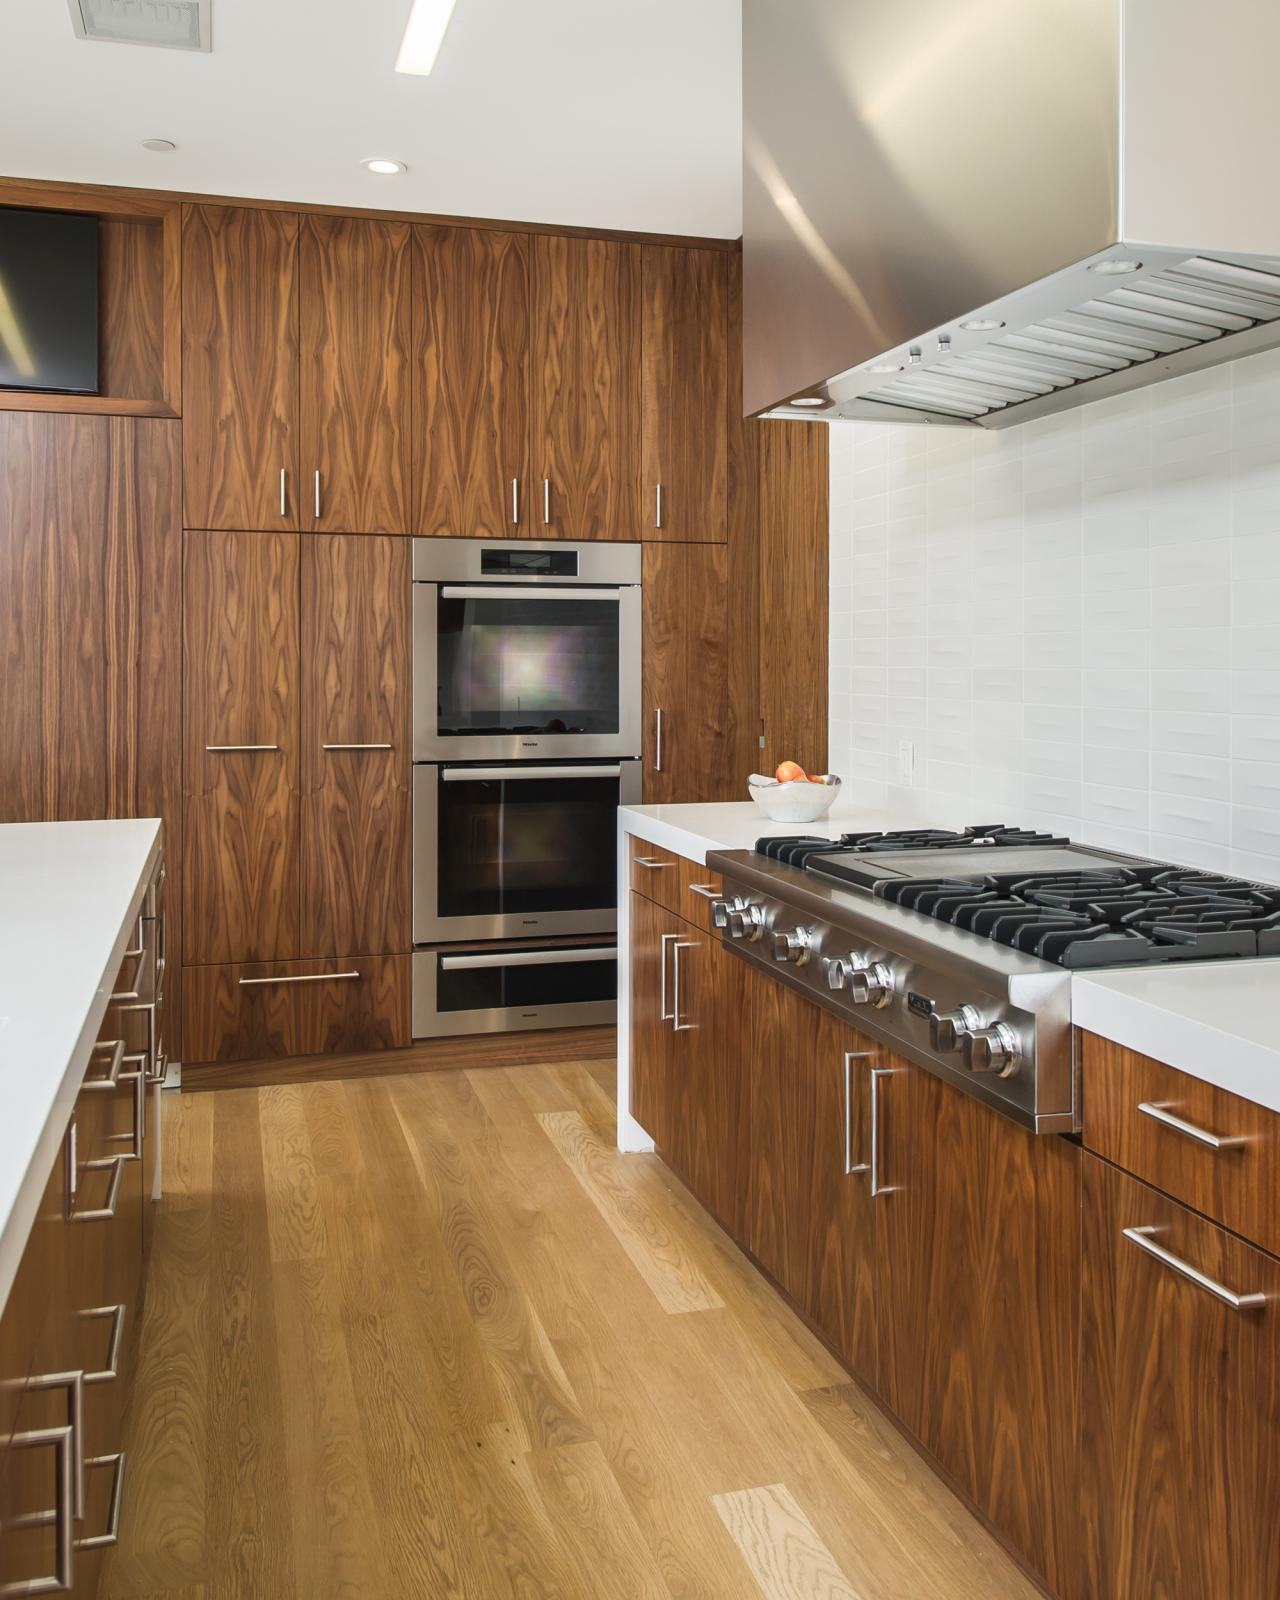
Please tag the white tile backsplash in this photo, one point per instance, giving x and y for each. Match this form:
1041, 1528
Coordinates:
1076, 621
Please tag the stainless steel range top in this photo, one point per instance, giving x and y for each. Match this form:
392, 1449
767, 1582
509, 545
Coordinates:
956, 949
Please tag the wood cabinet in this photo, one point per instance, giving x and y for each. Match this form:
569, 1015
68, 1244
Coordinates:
1181, 1401
652, 1092
355, 745
684, 335
240, 446
241, 728
471, 385
355, 309
585, 397
684, 678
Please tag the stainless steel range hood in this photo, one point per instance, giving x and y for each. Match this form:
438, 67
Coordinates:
982, 211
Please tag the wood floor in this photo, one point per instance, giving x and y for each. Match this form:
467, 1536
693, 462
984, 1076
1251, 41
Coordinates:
432, 1336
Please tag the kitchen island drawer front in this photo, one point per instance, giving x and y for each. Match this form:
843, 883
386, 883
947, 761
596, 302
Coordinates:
272, 1008
699, 888
656, 873
1210, 1149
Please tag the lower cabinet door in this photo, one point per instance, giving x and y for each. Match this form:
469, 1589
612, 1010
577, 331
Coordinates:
1180, 1401
653, 931
262, 1010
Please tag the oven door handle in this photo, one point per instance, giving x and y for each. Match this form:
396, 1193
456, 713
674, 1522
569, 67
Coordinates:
529, 958
533, 591
519, 774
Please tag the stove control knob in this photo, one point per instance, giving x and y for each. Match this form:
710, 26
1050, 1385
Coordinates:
997, 1049
865, 982
947, 1028
794, 946
747, 923
722, 910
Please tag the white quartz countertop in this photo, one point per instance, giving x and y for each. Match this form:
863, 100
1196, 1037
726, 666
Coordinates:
1218, 1021
69, 895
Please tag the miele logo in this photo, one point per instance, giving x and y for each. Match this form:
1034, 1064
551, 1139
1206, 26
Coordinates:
528, 744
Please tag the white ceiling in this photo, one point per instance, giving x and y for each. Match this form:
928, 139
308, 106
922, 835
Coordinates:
599, 113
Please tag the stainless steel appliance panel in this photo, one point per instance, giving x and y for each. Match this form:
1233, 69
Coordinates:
509, 990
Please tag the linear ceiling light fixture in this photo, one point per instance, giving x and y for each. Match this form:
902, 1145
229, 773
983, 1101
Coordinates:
423, 35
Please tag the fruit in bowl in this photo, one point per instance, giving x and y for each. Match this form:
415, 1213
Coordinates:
792, 794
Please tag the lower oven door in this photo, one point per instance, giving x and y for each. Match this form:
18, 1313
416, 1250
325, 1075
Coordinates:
504, 990
517, 851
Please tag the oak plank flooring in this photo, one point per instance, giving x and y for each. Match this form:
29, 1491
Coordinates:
422, 1336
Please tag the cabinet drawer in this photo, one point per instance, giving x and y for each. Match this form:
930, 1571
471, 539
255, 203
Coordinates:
656, 873
698, 888
264, 1009
1212, 1150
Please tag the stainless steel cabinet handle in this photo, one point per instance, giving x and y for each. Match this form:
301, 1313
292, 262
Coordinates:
529, 958
708, 891
546, 501
657, 739
1166, 1119
529, 592
649, 863
676, 1025
515, 500
60, 1580
284, 492
874, 1168
1145, 1240
138, 1077
106, 1211
317, 493
111, 1371
107, 1083
220, 749
298, 977
850, 1056
117, 1461
73, 1383
355, 747
523, 774
667, 939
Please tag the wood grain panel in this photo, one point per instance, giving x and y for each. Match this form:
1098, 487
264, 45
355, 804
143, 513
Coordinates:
355, 803
685, 365
471, 384
240, 368
240, 686
131, 313
356, 335
793, 522
685, 673
1181, 1417
742, 602
655, 873
1238, 1185
585, 395
229, 1022
652, 1091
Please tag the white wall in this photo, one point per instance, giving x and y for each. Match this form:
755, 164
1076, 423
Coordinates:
1077, 621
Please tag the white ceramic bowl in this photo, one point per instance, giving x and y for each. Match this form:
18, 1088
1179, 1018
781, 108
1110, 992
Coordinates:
795, 802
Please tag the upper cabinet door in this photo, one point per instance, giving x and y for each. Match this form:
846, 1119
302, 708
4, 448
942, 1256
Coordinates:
586, 389
471, 384
356, 326
240, 718
239, 368
355, 746
685, 339
684, 694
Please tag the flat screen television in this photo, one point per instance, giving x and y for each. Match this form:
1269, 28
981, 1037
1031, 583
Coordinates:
48, 301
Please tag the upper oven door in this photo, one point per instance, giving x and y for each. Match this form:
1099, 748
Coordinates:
524, 668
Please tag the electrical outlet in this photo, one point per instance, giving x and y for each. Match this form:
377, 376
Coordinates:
906, 763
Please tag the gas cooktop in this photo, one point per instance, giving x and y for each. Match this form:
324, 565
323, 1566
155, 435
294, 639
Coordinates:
1039, 893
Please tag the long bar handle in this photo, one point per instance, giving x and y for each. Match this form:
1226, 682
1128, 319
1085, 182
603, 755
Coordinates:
60, 1580
515, 501
107, 1210
657, 739
667, 1016
529, 958
111, 1371
117, 1461
73, 1383
1166, 1119
676, 1025
1143, 1238
874, 1165
708, 891
107, 1083
546, 501
531, 591
298, 977
850, 1056
657, 505
221, 749
317, 494
523, 774
138, 1077
649, 863
284, 492
355, 747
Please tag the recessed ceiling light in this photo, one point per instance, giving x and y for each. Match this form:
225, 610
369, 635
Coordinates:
160, 146
423, 35
383, 167
807, 400
982, 324
1114, 269
885, 366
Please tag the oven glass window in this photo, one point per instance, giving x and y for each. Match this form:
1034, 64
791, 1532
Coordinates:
490, 988
528, 665
531, 845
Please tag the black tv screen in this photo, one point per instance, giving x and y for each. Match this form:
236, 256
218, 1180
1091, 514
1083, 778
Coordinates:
48, 301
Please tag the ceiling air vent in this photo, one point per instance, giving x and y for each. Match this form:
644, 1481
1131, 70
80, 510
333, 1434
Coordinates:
170, 24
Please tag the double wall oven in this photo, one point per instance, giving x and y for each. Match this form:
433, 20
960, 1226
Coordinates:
526, 730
